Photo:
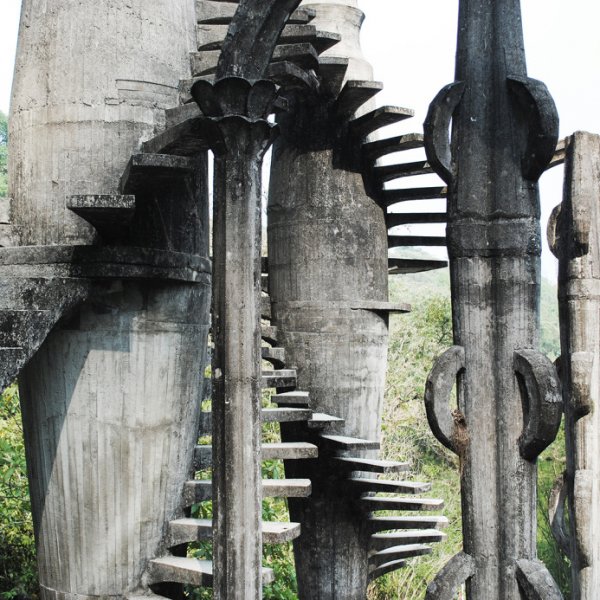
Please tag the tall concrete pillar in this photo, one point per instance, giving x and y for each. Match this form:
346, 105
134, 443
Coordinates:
327, 243
110, 401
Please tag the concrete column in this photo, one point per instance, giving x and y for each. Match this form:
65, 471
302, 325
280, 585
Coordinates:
328, 250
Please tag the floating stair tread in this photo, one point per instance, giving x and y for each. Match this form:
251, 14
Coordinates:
183, 531
201, 490
402, 241
286, 488
381, 541
378, 118
285, 415
386, 173
372, 465
376, 572
400, 503
398, 219
289, 451
333, 71
388, 307
398, 553
269, 334
279, 378
181, 570
320, 420
390, 197
276, 355
343, 442
354, 94
289, 75
404, 266
190, 571
385, 486
376, 149
303, 55
296, 397
378, 524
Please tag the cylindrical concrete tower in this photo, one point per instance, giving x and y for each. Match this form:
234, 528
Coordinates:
110, 401
91, 82
327, 261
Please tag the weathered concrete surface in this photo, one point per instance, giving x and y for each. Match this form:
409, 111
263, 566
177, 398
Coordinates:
110, 410
91, 82
504, 131
576, 241
328, 248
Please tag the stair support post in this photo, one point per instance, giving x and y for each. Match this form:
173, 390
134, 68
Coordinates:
241, 142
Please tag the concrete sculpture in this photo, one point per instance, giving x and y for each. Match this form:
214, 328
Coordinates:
504, 133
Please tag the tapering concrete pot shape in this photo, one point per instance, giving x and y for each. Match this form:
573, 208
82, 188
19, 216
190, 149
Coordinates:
111, 400
504, 132
327, 244
575, 239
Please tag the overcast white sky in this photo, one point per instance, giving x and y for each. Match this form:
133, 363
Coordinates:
411, 44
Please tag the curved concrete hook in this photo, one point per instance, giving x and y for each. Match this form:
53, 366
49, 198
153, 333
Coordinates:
535, 581
556, 515
540, 112
252, 36
456, 571
438, 389
437, 129
543, 403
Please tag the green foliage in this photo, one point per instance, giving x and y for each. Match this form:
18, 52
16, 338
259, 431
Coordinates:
18, 577
3, 154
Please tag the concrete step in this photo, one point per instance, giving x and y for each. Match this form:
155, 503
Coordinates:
201, 490
390, 197
286, 415
398, 219
354, 94
372, 465
276, 356
386, 173
282, 451
184, 531
280, 378
269, 334
220, 13
382, 541
376, 572
289, 451
190, 571
373, 503
390, 487
295, 398
378, 524
342, 442
378, 118
265, 308
323, 420
401, 143
402, 241
404, 266
333, 71
398, 553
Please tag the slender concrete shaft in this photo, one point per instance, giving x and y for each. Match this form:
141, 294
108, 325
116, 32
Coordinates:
494, 247
237, 487
577, 245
